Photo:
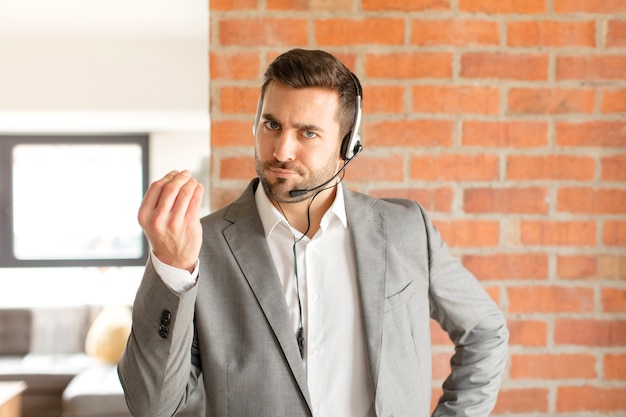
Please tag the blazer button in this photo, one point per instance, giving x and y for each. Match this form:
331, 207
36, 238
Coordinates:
165, 321
164, 331
166, 316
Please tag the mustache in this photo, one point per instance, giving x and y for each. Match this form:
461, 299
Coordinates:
282, 165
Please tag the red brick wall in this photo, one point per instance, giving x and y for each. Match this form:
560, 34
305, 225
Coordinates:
506, 120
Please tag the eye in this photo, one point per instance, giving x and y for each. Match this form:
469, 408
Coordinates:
309, 134
272, 125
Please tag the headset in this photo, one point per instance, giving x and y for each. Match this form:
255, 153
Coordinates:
351, 143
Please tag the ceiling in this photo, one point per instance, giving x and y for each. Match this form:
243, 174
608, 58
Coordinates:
110, 18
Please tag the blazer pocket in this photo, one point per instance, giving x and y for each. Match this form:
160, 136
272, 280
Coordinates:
400, 297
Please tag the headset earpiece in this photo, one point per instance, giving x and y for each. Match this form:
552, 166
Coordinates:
351, 144
257, 116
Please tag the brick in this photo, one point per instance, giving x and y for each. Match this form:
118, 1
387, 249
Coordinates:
370, 168
551, 33
435, 393
558, 233
440, 365
612, 267
591, 267
433, 200
528, 333
583, 200
217, 5
553, 366
596, 133
231, 133
550, 101
551, 167
263, 31
550, 299
221, 197
405, 6
521, 400
589, 332
454, 167
615, 366
614, 233
503, 6
614, 168
234, 66
589, 6
458, 32
239, 100
470, 233
384, 99
455, 99
494, 293
237, 168
505, 66
577, 267
438, 336
311, 5
509, 134
613, 300
409, 133
409, 65
613, 100
616, 34
370, 31
508, 266
590, 398
590, 67
529, 200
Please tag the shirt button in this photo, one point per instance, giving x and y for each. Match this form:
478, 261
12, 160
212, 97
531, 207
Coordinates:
315, 352
315, 296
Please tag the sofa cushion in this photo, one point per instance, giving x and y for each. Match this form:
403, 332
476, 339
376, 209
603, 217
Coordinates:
95, 392
15, 325
60, 330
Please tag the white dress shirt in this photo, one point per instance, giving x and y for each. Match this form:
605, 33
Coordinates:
335, 356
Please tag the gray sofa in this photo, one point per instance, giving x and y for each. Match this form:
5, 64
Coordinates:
45, 347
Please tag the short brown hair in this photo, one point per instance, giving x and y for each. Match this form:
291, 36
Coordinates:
300, 68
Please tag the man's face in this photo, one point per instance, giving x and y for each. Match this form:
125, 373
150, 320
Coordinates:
297, 140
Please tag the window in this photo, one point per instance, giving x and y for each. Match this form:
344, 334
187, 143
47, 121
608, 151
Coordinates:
72, 200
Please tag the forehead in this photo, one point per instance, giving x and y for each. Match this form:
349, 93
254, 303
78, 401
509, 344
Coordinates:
315, 104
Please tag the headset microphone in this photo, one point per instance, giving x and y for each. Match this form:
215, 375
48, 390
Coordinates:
299, 192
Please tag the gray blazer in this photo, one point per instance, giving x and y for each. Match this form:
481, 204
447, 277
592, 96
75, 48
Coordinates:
234, 328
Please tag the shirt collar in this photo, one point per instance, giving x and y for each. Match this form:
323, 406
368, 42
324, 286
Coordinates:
272, 217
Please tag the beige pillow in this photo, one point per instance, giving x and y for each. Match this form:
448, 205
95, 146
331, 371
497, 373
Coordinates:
107, 336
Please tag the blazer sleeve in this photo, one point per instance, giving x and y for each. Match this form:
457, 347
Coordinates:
156, 369
475, 325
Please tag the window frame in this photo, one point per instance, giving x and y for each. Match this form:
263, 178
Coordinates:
7, 144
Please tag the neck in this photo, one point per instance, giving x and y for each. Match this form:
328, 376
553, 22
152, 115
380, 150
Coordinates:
306, 215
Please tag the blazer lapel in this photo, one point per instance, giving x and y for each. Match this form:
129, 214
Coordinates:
369, 236
246, 240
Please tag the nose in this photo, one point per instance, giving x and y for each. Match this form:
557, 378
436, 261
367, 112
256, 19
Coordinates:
285, 148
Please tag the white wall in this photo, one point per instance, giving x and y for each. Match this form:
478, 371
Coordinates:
101, 84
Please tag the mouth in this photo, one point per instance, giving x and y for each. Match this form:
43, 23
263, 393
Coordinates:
282, 173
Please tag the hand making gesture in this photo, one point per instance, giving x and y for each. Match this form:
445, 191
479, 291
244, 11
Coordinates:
170, 217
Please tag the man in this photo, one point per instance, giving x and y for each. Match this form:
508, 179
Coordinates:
301, 297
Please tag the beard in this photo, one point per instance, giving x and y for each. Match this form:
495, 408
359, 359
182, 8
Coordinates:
278, 189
